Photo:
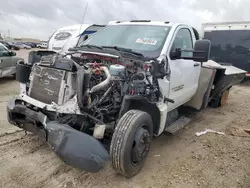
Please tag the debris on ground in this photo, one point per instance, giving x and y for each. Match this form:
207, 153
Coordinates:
209, 131
238, 131
157, 155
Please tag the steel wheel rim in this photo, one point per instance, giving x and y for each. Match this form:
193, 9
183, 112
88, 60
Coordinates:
140, 146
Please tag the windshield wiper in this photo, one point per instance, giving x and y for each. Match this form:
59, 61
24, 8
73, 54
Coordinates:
91, 46
123, 50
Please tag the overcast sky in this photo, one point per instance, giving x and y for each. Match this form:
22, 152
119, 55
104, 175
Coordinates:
39, 18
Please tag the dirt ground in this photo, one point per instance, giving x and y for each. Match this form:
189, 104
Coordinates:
181, 160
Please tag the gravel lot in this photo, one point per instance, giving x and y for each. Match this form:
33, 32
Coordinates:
182, 160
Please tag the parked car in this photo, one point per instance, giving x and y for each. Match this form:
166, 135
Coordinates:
31, 44
8, 61
10, 46
23, 46
13, 46
43, 45
5, 44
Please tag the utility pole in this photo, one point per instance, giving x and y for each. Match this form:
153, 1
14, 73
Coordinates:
9, 33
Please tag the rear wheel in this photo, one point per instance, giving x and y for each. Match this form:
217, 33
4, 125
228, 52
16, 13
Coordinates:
224, 98
131, 142
221, 100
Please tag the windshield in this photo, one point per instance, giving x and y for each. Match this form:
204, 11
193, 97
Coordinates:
145, 39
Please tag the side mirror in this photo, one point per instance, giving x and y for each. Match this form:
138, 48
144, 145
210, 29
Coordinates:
12, 53
201, 50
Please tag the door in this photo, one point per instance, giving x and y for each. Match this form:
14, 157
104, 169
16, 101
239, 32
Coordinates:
184, 73
6, 61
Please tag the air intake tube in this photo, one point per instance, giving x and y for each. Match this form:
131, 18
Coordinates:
104, 83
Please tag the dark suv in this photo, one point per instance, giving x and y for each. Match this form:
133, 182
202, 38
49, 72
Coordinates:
10, 46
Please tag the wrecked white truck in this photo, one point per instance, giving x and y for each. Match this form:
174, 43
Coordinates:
110, 96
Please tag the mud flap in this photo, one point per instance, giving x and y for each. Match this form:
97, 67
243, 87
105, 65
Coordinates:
76, 148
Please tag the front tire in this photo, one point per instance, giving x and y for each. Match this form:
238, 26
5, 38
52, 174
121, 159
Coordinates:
131, 142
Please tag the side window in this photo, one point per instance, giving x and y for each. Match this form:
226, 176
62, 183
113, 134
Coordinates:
183, 41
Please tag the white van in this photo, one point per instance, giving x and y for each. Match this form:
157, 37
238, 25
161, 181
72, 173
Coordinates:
68, 37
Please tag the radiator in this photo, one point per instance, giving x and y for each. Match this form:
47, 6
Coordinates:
47, 84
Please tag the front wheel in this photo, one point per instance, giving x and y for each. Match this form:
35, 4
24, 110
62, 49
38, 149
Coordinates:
131, 142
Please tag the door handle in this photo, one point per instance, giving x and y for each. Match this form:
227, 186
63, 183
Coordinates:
196, 64
1, 61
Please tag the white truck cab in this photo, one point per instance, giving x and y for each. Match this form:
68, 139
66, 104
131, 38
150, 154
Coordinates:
188, 82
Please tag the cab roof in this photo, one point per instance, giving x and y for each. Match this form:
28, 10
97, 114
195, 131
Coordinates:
143, 22
136, 22
151, 22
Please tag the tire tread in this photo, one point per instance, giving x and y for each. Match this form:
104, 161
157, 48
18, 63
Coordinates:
122, 131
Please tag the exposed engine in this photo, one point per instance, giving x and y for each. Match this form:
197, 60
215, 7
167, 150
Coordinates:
98, 82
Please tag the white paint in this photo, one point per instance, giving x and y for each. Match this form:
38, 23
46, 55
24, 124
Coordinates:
7, 71
99, 131
183, 74
163, 113
159, 23
70, 107
75, 30
23, 89
215, 26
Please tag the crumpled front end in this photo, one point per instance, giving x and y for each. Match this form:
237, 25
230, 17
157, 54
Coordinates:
72, 146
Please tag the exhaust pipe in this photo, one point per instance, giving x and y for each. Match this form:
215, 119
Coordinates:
104, 83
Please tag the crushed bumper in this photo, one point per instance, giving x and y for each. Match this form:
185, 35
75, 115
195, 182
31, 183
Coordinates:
73, 147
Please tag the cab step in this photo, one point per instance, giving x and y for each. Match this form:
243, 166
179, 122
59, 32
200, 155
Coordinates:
177, 125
